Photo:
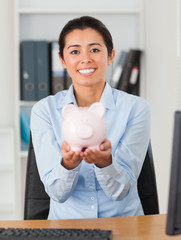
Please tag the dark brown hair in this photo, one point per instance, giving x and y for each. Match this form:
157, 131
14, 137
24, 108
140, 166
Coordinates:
83, 23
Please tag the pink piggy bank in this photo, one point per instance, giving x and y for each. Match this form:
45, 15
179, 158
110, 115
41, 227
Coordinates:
84, 127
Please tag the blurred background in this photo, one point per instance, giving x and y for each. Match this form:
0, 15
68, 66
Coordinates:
154, 27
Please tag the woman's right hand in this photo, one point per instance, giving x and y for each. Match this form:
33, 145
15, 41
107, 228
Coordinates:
70, 159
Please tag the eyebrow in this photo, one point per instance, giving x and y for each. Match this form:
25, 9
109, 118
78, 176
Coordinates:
90, 44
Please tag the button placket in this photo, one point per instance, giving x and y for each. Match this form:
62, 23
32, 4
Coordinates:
91, 179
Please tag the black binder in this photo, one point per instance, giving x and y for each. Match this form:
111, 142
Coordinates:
42, 67
129, 80
60, 79
35, 70
27, 56
119, 69
57, 71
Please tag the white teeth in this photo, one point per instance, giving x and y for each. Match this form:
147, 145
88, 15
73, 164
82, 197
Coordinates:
84, 71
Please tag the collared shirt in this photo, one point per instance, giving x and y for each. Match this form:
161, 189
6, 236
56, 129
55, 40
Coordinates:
88, 191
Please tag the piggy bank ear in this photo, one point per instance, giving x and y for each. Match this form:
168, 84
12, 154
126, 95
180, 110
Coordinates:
98, 108
67, 110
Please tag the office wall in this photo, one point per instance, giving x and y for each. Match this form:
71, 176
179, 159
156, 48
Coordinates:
162, 84
6, 64
161, 76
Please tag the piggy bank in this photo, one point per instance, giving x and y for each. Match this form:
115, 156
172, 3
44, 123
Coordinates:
84, 127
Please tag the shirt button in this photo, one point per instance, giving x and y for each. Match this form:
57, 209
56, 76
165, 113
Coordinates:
92, 198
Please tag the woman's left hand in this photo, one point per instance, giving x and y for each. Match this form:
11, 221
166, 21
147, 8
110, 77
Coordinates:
101, 158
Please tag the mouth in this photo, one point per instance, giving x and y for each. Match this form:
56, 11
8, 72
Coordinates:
86, 71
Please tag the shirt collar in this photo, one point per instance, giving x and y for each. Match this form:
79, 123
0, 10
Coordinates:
106, 98
69, 98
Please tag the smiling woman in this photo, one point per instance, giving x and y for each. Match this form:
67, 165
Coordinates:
86, 49
93, 182
85, 57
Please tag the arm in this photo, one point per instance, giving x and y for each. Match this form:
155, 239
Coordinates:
128, 152
58, 181
70, 159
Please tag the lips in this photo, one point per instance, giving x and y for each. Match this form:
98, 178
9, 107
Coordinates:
86, 71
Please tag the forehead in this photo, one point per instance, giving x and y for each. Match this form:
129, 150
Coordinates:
87, 35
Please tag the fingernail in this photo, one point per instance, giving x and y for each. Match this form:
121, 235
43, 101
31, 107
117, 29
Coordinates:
102, 147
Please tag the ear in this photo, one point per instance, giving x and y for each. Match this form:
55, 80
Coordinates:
97, 108
62, 61
111, 57
67, 110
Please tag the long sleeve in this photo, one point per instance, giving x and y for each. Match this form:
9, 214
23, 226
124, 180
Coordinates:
88, 191
58, 181
129, 136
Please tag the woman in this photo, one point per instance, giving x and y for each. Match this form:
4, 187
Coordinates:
93, 183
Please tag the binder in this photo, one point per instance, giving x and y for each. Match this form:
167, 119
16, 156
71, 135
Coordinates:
57, 70
60, 79
134, 84
129, 81
25, 126
67, 80
27, 56
119, 69
35, 70
25, 112
42, 67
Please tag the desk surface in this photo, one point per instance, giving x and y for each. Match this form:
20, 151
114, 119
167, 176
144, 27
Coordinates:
137, 227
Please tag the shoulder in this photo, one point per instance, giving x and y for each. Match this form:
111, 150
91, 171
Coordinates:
49, 103
123, 98
131, 107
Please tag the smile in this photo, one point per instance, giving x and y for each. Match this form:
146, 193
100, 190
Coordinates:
87, 71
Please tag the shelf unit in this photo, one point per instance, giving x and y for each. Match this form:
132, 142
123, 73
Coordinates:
34, 20
7, 174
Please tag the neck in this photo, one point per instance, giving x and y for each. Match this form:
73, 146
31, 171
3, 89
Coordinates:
85, 96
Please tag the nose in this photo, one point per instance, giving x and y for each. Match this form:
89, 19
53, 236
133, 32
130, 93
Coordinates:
85, 131
86, 58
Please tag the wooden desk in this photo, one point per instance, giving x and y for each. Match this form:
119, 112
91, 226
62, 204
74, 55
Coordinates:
132, 228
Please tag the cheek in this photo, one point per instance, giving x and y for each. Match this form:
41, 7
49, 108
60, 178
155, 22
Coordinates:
70, 64
103, 63
103, 60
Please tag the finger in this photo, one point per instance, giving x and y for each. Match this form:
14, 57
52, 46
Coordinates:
67, 155
90, 155
105, 145
65, 146
77, 156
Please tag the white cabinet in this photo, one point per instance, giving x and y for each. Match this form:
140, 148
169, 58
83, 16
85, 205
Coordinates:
44, 19
7, 175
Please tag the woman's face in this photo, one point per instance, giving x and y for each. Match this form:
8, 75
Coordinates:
86, 57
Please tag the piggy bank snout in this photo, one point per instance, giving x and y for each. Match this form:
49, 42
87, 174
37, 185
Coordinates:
85, 131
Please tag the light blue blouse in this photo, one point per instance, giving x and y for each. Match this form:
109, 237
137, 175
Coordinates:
88, 191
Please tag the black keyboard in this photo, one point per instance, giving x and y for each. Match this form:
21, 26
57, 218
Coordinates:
54, 234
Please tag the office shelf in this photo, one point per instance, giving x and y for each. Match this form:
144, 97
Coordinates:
6, 208
26, 103
110, 11
7, 173
6, 168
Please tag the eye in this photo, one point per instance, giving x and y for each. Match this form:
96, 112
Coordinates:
94, 50
74, 52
